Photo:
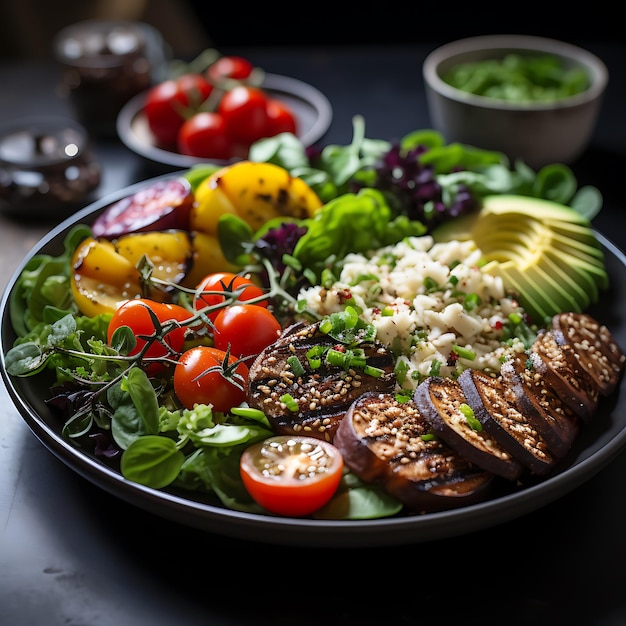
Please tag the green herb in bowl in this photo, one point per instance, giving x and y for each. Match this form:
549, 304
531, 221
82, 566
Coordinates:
519, 78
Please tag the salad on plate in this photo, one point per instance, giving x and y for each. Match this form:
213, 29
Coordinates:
347, 332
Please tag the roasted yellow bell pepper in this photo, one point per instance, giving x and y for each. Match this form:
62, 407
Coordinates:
102, 279
105, 273
256, 192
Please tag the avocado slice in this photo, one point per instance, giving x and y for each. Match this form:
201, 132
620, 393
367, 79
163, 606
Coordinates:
537, 302
577, 287
545, 252
536, 281
538, 208
586, 251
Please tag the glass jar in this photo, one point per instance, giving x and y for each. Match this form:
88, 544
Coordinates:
46, 167
104, 64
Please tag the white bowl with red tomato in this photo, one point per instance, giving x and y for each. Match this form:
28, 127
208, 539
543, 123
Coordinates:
216, 114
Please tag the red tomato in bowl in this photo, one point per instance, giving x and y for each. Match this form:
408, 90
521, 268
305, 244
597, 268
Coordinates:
204, 135
245, 330
203, 375
171, 102
244, 109
224, 284
291, 475
137, 315
229, 67
280, 118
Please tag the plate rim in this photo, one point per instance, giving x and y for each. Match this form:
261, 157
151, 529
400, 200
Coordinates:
274, 82
409, 529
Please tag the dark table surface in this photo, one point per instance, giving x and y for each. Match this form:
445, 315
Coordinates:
73, 554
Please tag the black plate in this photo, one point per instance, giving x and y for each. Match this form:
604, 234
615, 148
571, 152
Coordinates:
311, 108
597, 445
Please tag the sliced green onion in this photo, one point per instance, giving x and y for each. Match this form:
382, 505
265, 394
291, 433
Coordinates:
435, 368
290, 402
327, 279
350, 317
464, 353
468, 413
336, 358
430, 283
314, 356
364, 277
472, 300
326, 325
401, 370
356, 358
295, 365
376, 372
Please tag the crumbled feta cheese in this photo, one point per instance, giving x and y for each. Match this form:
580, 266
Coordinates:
415, 294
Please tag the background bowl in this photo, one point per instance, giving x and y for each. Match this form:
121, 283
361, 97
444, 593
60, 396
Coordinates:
537, 133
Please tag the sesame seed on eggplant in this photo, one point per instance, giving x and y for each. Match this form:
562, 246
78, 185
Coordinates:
551, 416
495, 406
443, 404
321, 395
389, 442
564, 373
594, 347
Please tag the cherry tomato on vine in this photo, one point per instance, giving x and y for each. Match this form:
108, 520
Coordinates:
229, 67
204, 135
137, 315
203, 375
244, 109
280, 118
291, 475
226, 283
171, 102
245, 330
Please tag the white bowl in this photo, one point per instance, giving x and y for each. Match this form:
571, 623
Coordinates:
536, 133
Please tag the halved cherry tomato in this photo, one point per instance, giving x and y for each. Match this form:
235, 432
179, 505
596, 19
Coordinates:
204, 375
171, 102
291, 475
225, 283
229, 67
280, 118
244, 109
245, 330
137, 315
204, 135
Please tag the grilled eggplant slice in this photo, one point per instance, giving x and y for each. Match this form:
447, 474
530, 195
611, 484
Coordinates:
566, 376
443, 404
495, 406
389, 442
526, 376
593, 346
299, 398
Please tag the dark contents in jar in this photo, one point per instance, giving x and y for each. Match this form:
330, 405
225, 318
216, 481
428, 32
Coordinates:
103, 65
45, 167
